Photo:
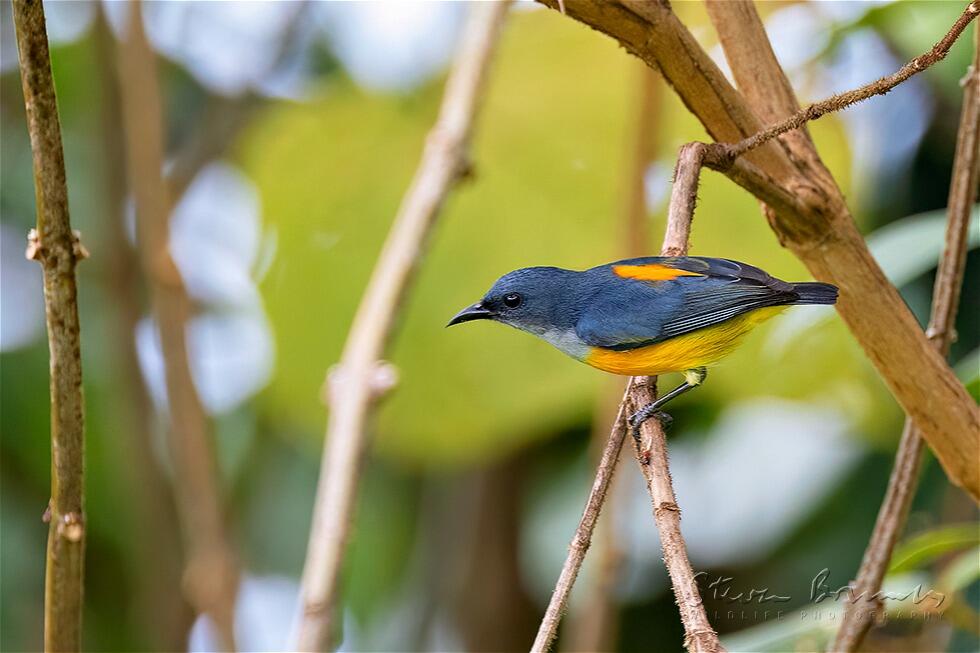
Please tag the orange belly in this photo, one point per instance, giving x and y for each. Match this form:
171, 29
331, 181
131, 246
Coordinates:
689, 351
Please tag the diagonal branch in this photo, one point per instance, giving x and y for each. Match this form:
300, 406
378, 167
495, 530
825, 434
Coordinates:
582, 539
211, 574
55, 246
807, 211
355, 385
945, 300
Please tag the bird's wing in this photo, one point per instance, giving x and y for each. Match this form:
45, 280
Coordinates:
644, 301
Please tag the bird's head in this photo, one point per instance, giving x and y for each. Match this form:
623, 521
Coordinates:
537, 300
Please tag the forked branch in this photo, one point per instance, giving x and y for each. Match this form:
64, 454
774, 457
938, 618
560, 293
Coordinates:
651, 453
55, 246
582, 539
848, 98
651, 447
354, 386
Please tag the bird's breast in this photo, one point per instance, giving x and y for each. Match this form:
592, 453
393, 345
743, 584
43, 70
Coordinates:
565, 340
685, 352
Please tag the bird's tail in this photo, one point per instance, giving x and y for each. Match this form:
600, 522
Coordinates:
812, 292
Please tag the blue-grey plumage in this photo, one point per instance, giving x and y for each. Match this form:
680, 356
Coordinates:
644, 315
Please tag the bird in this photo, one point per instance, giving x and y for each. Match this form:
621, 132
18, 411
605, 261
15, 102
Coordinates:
644, 316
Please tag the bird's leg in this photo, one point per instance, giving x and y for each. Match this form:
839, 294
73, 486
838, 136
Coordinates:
692, 379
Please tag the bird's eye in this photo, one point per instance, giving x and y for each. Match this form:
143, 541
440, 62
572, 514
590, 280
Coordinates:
512, 300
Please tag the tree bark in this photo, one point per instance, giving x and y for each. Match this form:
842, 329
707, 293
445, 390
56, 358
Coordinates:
55, 246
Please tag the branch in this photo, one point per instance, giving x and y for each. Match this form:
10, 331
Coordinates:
55, 246
354, 386
154, 538
844, 100
211, 576
583, 534
594, 628
651, 447
945, 300
651, 453
808, 213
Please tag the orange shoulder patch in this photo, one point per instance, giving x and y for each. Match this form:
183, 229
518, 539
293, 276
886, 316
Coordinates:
652, 272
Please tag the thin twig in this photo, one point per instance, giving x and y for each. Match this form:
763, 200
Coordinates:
353, 389
55, 246
807, 211
844, 100
211, 575
858, 616
583, 534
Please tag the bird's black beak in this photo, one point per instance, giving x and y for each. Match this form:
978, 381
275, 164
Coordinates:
474, 312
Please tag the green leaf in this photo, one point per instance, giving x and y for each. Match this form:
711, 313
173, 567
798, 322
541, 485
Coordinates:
923, 549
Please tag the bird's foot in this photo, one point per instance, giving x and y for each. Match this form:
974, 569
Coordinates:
645, 413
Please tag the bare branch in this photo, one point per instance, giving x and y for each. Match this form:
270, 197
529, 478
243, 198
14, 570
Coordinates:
55, 246
583, 534
163, 613
211, 576
443, 164
807, 211
945, 301
651, 447
594, 627
651, 453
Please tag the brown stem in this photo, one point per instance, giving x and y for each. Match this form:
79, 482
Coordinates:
162, 612
211, 575
583, 534
353, 387
807, 211
945, 301
651, 453
594, 628
55, 246
651, 446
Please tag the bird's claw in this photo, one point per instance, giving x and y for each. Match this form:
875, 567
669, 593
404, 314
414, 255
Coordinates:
642, 415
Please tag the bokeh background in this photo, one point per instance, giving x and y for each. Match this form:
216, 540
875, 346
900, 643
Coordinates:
313, 116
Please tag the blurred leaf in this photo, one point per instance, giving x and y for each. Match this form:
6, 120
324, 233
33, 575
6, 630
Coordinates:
961, 572
968, 371
911, 246
905, 250
923, 549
